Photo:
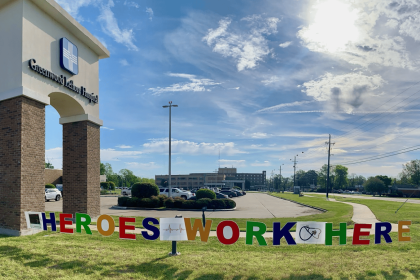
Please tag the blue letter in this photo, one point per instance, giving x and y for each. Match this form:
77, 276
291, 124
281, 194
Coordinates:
385, 233
284, 232
51, 221
154, 229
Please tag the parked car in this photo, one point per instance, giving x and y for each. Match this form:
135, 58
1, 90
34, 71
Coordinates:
229, 193
238, 192
52, 194
126, 191
220, 195
177, 193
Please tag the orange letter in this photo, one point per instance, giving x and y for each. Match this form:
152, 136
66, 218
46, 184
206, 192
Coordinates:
401, 230
111, 225
192, 233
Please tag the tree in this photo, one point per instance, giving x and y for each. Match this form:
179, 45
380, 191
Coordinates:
387, 181
340, 176
311, 177
49, 165
375, 185
322, 176
411, 172
102, 168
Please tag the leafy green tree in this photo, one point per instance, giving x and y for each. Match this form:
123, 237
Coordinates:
322, 176
387, 180
411, 172
340, 180
102, 169
375, 185
311, 177
49, 165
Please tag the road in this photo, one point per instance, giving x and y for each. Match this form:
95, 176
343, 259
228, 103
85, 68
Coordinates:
252, 205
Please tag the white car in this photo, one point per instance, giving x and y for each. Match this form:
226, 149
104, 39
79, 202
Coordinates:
52, 194
126, 191
176, 193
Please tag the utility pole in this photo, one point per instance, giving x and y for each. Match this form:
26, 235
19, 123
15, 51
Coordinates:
280, 176
170, 113
328, 170
294, 172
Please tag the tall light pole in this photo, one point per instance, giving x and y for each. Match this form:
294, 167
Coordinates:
294, 171
169, 181
280, 175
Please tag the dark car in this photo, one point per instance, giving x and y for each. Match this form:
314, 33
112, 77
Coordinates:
238, 192
229, 193
220, 195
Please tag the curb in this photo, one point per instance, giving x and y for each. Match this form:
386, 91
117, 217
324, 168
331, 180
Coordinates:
170, 209
313, 207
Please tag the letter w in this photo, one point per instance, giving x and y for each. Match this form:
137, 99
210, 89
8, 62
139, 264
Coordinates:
198, 225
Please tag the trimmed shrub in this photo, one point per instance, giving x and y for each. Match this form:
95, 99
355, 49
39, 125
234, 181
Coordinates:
204, 193
49, 186
155, 202
217, 204
104, 192
144, 202
132, 202
162, 199
105, 185
169, 203
111, 185
178, 202
122, 201
229, 203
144, 190
188, 204
203, 202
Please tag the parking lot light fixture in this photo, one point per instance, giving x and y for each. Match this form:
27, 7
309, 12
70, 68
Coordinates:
170, 113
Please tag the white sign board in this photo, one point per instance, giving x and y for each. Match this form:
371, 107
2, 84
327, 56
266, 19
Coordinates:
173, 229
310, 232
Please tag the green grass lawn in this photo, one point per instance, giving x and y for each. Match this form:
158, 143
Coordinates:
49, 255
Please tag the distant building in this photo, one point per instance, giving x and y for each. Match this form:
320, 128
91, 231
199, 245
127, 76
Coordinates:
219, 179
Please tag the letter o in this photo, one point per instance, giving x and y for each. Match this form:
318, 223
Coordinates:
111, 225
220, 232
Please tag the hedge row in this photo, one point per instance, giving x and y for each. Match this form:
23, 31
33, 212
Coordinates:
163, 201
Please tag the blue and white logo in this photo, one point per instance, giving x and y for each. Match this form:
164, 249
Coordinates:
68, 56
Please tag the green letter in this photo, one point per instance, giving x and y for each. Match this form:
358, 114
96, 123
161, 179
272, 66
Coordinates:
85, 223
250, 233
341, 233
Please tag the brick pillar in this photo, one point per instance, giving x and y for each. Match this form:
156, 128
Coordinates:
22, 163
81, 160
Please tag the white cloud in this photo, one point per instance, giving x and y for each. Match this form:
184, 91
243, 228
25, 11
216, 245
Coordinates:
142, 165
72, 7
124, 62
246, 48
192, 148
110, 27
150, 12
346, 92
259, 135
258, 163
55, 157
232, 162
124, 147
131, 4
104, 127
195, 85
279, 106
285, 44
113, 155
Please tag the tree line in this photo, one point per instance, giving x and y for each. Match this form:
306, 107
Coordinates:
124, 178
340, 179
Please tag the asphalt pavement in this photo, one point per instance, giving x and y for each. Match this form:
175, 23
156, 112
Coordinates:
251, 205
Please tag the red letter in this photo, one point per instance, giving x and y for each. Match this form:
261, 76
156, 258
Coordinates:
124, 227
357, 233
220, 232
63, 223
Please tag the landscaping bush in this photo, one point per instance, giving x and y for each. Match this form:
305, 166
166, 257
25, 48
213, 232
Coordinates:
49, 186
205, 194
321, 190
132, 202
105, 185
178, 202
229, 203
188, 204
217, 204
104, 192
155, 202
111, 185
162, 199
144, 190
169, 203
122, 201
144, 202
203, 202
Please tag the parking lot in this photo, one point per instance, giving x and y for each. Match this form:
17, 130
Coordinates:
252, 205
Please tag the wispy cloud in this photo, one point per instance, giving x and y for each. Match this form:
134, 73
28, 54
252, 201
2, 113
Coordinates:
124, 147
279, 106
150, 12
72, 7
55, 157
143, 165
285, 44
107, 128
195, 84
114, 155
258, 163
124, 62
131, 4
110, 27
246, 48
232, 162
191, 148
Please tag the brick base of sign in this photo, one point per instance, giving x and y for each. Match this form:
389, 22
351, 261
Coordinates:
22, 162
81, 160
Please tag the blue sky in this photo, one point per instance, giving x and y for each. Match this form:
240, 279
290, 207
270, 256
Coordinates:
257, 81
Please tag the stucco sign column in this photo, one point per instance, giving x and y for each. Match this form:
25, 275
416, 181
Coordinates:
48, 58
